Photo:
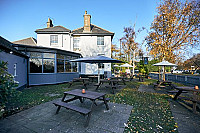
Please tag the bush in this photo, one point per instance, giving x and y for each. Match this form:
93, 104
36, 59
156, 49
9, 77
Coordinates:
7, 84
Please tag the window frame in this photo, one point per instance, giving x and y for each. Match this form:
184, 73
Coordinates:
100, 40
77, 47
53, 41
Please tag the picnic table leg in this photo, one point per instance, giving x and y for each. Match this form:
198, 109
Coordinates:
194, 107
89, 115
70, 84
58, 109
194, 102
177, 94
105, 102
99, 85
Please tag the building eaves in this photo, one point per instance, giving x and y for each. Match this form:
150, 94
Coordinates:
46, 49
6, 46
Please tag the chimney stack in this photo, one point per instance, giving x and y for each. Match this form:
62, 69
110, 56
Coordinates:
87, 21
49, 23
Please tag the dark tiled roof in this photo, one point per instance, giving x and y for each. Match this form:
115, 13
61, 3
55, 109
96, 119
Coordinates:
6, 46
53, 29
94, 30
27, 41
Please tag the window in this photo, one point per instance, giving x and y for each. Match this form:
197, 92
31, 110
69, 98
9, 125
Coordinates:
35, 65
100, 65
74, 66
48, 65
100, 40
54, 40
35, 62
60, 63
68, 67
48, 62
76, 43
45, 63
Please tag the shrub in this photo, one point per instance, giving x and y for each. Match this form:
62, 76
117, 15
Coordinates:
7, 85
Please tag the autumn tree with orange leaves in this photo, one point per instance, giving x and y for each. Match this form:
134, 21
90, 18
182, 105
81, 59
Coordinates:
175, 30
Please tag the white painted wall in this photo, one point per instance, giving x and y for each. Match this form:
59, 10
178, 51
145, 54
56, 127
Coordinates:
88, 47
63, 41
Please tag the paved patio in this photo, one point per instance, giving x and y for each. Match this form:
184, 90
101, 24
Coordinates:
42, 119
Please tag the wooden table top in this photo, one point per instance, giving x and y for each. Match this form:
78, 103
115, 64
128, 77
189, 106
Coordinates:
88, 94
187, 88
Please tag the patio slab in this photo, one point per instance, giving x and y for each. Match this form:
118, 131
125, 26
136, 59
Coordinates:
42, 119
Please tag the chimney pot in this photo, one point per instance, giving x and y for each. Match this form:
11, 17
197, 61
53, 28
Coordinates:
49, 23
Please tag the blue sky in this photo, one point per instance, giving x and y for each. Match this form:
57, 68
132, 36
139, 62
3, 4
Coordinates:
20, 18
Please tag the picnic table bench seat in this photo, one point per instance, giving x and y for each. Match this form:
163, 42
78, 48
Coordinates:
176, 91
81, 110
107, 99
189, 99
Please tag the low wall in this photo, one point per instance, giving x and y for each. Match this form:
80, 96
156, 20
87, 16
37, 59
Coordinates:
187, 80
51, 78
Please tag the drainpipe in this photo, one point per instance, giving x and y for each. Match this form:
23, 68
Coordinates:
27, 63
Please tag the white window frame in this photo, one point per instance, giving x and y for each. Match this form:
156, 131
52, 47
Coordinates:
76, 43
54, 40
100, 40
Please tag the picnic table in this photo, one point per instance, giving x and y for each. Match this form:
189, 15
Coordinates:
83, 80
141, 78
120, 79
78, 95
194, 97
166, 82
92, 77
161, 83
111, 82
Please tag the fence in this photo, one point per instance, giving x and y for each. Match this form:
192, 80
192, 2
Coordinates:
186, 80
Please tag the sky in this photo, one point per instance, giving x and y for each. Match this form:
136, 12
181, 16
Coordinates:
20, 18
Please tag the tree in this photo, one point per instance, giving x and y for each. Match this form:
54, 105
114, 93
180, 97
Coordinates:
175, 30
7, 84
129, 44
114, 51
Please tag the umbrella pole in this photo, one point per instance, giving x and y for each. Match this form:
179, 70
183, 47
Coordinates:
163, 73
98, 73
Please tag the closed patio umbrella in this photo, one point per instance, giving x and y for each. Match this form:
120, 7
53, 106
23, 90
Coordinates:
97, 59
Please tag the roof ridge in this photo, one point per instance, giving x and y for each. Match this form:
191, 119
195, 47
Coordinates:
33, 40
62, 27
22, 39
102, 28
77, 28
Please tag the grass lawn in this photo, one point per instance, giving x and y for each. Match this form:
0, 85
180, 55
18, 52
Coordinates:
150, 113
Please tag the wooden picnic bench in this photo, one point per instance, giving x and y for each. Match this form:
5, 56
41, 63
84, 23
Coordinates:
194, 99
112, 83
141, 78
85, 82
77, 93
162, 84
